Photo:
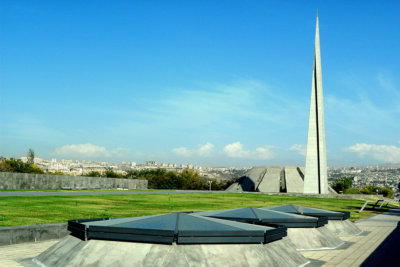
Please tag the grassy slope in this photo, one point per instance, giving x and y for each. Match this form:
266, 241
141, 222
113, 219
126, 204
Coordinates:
53, 209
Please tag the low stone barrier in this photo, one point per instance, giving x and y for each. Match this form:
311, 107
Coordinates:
12, 180
32, 233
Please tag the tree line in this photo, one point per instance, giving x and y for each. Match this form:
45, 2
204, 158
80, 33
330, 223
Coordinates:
344, 185
163, 179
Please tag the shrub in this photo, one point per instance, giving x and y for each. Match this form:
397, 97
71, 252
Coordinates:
93, 174
187, 180
341, 184
352, 191
110, 173
17, 165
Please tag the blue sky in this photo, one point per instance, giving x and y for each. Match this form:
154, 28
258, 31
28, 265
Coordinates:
216, 83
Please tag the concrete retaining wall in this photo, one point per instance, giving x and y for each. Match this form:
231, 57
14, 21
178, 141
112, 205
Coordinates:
12, 180
32, 233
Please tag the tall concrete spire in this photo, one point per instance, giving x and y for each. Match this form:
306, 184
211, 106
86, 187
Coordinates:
316, 175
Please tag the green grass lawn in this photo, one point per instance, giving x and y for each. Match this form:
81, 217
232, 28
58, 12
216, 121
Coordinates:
53, 209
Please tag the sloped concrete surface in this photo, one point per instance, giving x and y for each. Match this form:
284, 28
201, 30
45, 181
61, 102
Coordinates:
314, 238
235, 187
250, 181
256, 174
294, 182
71, 251
271, 180
343, 228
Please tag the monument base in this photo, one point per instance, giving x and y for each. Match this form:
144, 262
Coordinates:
71, 251
314, 238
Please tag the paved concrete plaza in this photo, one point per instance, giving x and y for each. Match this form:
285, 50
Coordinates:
369, 245
10, 254
377, 245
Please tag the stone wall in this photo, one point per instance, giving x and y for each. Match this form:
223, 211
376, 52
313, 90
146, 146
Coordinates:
13, 180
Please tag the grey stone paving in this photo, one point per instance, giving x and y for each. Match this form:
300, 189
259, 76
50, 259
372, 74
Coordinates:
365, 249
9, 255
379, 228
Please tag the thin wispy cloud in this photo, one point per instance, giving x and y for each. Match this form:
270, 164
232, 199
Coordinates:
382, 153
208, 111
245, 99
88, 151
182, 151
205, 150
236, 150
299, 148
387, 83
202, 151
365, 110
82, 150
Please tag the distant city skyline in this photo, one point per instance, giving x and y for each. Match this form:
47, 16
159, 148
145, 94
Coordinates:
184, 165
212, 84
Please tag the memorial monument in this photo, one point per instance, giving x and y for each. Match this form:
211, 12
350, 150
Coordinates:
316, 175
315, 178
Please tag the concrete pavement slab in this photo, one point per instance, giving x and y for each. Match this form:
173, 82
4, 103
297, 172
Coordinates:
9, 255
377, 247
